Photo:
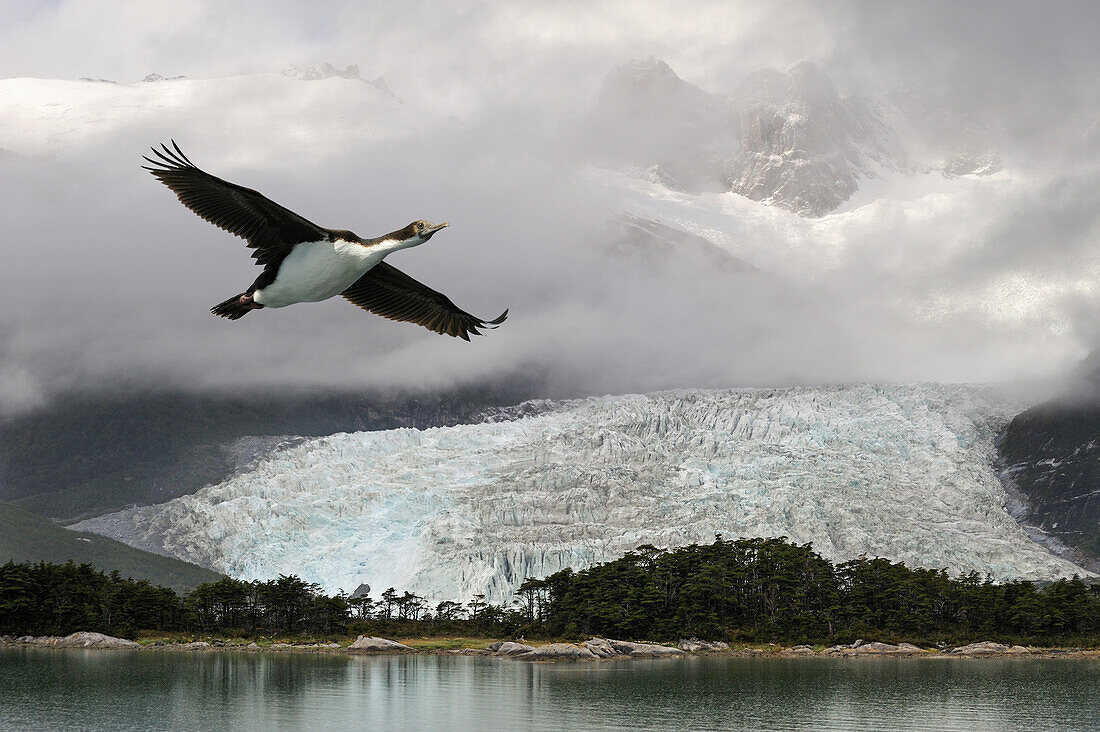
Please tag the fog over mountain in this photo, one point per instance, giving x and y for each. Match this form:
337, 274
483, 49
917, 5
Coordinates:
949, 229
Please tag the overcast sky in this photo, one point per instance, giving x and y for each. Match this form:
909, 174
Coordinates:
106, 280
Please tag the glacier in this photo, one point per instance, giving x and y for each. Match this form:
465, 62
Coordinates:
897, 471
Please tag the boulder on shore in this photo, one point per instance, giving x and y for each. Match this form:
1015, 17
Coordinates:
982, 648
859, 648
554, 651
876, 647
379, 645
798, 651
85, 639
600, 647
510, 648
40, 640
694, 645
591, 649
910, 648
644, 649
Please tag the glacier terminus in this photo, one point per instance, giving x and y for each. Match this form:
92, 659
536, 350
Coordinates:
899, 471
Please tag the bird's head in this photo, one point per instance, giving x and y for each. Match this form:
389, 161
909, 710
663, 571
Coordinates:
419, 232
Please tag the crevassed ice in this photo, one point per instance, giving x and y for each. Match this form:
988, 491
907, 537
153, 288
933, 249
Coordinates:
901, 472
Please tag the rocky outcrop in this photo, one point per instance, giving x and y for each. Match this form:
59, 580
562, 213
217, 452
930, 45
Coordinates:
859, 648
510, 648
560, 651
988, 648
327, 71
798, 651
152, 78
1049, 462
196, 646
364, 644
86, 640
37, 640
592, 649
803, 147
81, 639
600, 647
627, 648
694, 645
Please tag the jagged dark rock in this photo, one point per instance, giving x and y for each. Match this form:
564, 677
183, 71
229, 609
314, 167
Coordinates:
157, 77
1049, 461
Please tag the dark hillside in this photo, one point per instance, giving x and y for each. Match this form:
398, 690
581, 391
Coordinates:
26, 537
1049, 458
88, 455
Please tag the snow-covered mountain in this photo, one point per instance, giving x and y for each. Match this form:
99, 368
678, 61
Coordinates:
783, 138
902, 472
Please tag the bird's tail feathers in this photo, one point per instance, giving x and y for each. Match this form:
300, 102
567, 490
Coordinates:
233, 308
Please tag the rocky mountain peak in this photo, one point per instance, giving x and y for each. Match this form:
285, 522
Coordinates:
802, 146
785, 138
647, 117
327, 71
160, 77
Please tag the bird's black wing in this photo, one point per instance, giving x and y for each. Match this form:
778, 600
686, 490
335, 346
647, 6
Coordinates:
386, 291
268, 228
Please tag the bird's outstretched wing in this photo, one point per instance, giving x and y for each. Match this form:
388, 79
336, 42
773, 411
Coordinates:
386, 291
268, 228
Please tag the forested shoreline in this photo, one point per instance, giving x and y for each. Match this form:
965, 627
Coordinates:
745, 590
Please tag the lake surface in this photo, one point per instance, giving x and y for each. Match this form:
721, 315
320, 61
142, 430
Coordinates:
125, 690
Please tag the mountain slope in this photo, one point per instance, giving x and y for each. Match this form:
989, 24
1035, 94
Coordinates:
902, 472
1050, 454
95, 453
1049, 458
26, 537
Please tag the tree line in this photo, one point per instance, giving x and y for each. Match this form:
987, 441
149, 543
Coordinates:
773, 590
758, 590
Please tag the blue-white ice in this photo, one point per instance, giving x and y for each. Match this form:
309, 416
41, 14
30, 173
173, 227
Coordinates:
901, 472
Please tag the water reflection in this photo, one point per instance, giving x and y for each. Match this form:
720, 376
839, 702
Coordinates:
52, 689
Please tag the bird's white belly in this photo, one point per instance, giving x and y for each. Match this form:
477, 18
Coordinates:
316, 271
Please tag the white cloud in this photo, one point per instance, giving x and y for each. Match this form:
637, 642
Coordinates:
109, 280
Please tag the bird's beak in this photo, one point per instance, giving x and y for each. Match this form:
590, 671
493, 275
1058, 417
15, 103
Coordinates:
429, 232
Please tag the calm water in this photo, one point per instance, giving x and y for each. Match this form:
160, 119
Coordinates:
121, 690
